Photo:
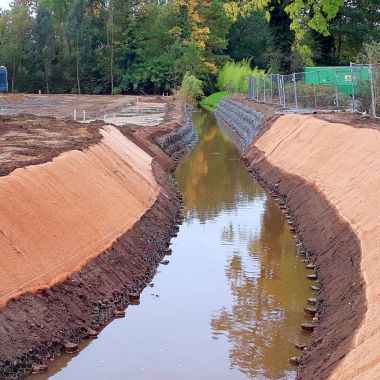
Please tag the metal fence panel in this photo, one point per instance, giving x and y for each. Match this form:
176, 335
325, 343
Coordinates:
354, 88
375, 72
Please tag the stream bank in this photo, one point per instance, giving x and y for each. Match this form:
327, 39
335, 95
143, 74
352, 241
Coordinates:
325, 232
228, 304
37, 326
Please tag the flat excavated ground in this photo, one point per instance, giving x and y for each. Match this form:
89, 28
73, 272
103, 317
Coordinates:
36, 128
31, 140
61, 106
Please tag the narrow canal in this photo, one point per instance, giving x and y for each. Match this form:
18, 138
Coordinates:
229, 304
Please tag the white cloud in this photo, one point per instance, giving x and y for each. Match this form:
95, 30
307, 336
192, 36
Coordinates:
4, 4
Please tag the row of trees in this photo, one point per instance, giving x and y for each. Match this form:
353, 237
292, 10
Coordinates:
111, 46
147, 46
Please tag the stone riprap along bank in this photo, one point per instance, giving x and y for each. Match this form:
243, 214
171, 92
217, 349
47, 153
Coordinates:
239, 121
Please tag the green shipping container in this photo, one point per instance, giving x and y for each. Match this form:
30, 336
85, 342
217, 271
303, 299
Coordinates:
347, 77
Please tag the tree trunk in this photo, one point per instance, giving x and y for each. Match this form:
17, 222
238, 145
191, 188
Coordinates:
112, 48
13, 73
112, 63
46, 78
78, 80
339, 47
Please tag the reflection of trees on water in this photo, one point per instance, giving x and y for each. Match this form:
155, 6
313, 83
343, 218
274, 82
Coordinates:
267, 308
211, 178
228, 234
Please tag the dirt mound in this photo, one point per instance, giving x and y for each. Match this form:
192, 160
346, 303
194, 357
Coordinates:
80, 203
342, 164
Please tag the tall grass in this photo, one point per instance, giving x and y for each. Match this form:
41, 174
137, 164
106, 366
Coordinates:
191, 89
233, 76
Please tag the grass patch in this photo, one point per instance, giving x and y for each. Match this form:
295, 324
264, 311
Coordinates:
211, 102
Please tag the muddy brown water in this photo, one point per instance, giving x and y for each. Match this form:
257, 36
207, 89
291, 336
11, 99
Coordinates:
230, 303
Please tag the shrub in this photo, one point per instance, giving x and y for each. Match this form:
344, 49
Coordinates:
191, 90
233, 76
371, 53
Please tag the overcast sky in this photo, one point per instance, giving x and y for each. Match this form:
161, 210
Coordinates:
4, 4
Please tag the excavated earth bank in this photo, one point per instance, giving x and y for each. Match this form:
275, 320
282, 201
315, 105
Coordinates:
308, 165
332, 246
37, 326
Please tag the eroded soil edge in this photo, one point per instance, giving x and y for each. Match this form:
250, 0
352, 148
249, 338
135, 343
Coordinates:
35, 327
331, 244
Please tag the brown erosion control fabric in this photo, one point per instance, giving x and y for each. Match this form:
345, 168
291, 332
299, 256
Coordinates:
343, 163
56, 216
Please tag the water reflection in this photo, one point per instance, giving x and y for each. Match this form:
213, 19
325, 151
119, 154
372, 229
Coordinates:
229, 304
212, 178
267, 283
266, 279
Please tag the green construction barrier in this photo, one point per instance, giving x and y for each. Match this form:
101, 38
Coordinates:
347, 77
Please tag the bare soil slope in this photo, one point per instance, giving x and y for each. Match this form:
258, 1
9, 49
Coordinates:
79, 203
80, 231
342, 164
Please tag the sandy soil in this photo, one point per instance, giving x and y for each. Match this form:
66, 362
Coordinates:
76, 227
79, 233
340, 163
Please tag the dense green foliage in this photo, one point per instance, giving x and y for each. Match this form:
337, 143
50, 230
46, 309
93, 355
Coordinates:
211, 102
112, 46
134, 46
355, 24
249, 37
233, 76
191, 89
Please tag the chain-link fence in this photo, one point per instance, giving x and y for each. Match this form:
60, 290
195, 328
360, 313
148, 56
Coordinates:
350, 88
